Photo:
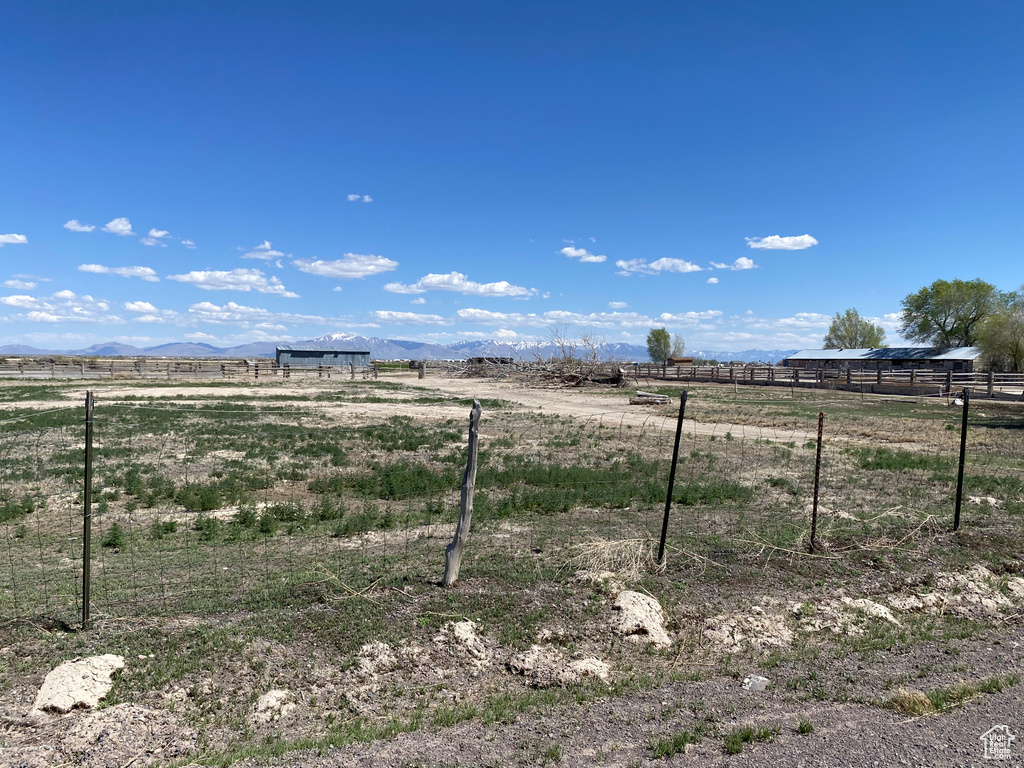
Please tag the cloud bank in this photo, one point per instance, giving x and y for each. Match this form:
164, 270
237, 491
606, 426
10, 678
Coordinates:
459, 283
777, 243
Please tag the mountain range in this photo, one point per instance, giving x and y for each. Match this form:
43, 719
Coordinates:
390, 349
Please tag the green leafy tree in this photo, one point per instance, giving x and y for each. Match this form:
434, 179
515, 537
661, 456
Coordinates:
1002, 334
659, 345
851, 331
949, 313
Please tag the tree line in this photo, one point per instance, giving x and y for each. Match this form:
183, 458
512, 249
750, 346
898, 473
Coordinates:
947, 313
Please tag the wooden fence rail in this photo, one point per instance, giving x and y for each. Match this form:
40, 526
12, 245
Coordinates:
154, 368
921, 380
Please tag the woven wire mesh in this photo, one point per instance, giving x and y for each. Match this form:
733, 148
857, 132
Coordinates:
204, 506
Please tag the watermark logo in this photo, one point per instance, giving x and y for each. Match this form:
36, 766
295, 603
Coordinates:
998, 740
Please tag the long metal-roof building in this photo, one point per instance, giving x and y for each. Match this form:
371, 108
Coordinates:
898, 358
311, 355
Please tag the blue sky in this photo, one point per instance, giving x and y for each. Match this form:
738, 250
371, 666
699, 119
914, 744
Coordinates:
737, 172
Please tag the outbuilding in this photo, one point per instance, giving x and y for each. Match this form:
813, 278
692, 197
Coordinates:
312, 355
959, 359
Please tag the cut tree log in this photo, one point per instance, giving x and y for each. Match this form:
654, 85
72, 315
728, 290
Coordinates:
453, 553
648, 398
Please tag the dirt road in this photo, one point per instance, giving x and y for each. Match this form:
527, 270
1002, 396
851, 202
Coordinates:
588, 404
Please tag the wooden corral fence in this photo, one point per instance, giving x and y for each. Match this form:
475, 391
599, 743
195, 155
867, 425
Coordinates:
914, 381
155, 368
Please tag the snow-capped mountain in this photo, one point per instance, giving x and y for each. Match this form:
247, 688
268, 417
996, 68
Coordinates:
400, 349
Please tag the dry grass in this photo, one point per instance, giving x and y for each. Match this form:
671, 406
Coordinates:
626, 558
909, 701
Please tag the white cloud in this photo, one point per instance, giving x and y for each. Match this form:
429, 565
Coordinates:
388, 316
188, 243
145, 273
62, 307
617, 305
582, 254
75, 226
799, 321
154, 237
359, 198
608, 320
265, 252
890, 321
20, 300
504, 333
20, 285
353, 265
420, 300
139, 306
775, 242
12, 240
147, 313
741, 263
235, 280
640, 266
255, 317
688, 318
119, 226
459, 283
712, 281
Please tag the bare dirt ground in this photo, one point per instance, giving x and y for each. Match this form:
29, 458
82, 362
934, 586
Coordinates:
585, 405
835, 650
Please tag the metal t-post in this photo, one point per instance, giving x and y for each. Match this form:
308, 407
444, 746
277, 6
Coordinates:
963, 454
817, 476
671, 479
87, 512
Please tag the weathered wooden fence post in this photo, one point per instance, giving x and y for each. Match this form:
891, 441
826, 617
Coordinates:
453, 553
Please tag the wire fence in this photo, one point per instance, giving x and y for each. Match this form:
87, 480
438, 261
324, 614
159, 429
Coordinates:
207, 506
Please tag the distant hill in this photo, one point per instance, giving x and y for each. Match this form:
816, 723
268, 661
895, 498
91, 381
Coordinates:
185, 349
396, 349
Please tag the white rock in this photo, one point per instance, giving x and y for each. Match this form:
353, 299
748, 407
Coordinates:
1016, 587
641, 619
756, 683
273, 705
78, 683
873, 609
545, 666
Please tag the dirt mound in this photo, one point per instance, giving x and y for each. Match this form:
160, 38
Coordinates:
129, 734
461, 640
545, 666
974, 594
376, 657
756, 629
273, 706
641, 619
845, 616
602, 581
81, 683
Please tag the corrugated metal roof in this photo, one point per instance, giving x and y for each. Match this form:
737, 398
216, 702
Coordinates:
890, 353
324, 346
